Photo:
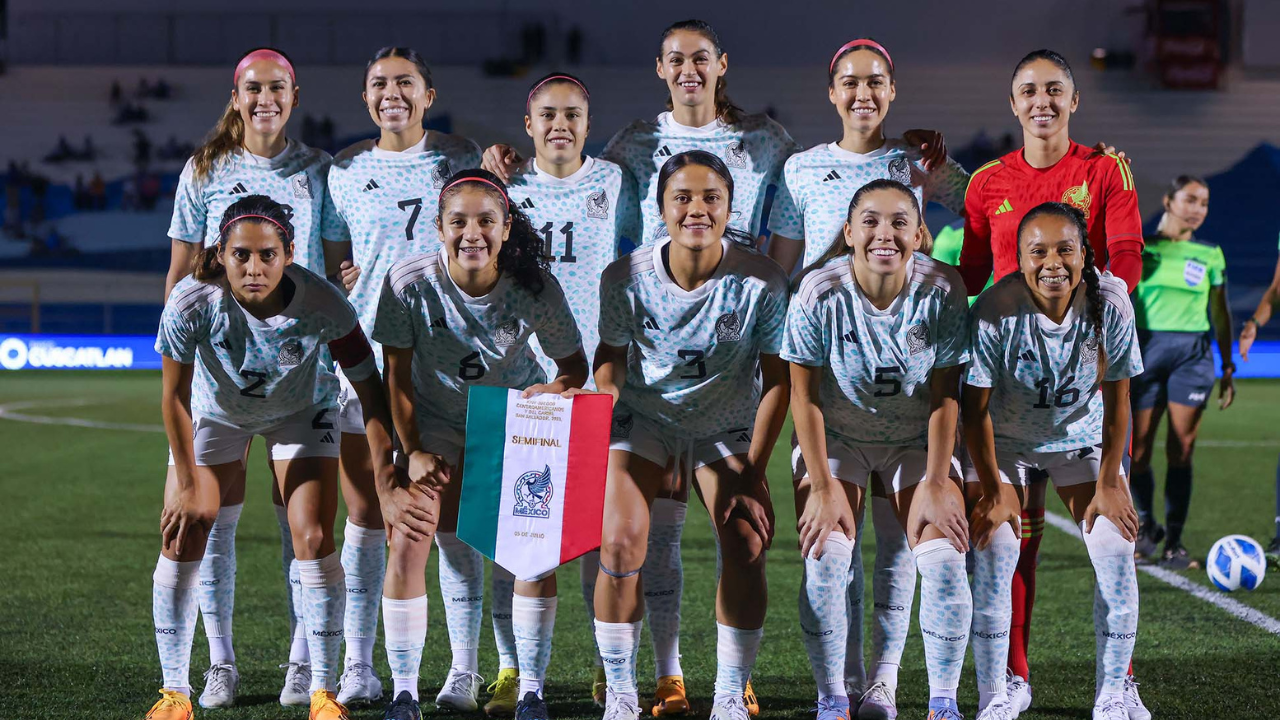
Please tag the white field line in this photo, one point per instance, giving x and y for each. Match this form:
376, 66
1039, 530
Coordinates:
9, 411
1218, 599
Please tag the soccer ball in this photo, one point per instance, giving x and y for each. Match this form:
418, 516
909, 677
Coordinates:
1235, 562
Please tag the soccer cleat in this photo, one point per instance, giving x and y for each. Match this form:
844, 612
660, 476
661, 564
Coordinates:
750, 700
944, 709
670, 697
359, 684
833, 708
220, 684
325, 706
297, 685
998, 710
621, 707
461, 691
171, 706
1112, 709
1019, 691
1147, 547
1177, 558
531, 707
1132, 702
1273, 554
505, 691
404, 707
599, 687
877, 703
729, 708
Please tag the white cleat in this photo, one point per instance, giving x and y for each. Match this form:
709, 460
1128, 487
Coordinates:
877, 703
359, 684
1132, 702
1110, 710
297, 685
621, 707
998, 710
1019, 691
461, 691
730, 708
220, 685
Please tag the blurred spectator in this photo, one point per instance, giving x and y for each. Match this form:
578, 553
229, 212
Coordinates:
128, 112
141, 149
39, 191
80, 199
90, 152
13, 199
148, 190
129, 194
60, 153
117, 93
97, 192
161, 91
172, 150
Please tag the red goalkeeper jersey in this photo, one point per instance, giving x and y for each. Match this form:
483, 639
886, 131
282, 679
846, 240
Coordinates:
1001, 192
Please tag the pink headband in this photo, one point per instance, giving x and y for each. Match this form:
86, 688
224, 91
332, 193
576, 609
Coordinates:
862, 42
284, 233
506, 203
264, 54
534, 91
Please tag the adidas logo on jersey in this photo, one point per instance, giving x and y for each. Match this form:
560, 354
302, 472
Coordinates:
223, 344
833, 175
1028, 356
527, 204
439, 323
663, 151
850, 337
651, 324
239, 189
1004, 207
328, 438
371, 185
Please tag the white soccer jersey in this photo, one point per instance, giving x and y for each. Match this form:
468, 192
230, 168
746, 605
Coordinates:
1045, 391
252, 373
693, 355
459, 340
754, 150
581, 219
877, 363
296, 178
813, 199
387, 204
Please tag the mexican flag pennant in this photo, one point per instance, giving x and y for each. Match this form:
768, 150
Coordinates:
533, 477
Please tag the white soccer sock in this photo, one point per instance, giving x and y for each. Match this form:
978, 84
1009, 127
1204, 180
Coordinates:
588, 571
173, 609
298, 652
823, 619
618, 643
502, 586
462, 586
324, 602
993, 612
855, 670
405, 622
218, 584
946, 613
894, 592
663, 574
1115, 603
534, 622
364, 562
736, 651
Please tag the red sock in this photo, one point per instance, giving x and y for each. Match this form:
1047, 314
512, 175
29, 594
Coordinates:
1024, 592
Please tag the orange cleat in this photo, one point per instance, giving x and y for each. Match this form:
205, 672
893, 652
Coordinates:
670, 698
171, 706
750, 700
325, 706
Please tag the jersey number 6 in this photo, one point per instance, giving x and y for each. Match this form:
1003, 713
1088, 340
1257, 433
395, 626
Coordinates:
471, 367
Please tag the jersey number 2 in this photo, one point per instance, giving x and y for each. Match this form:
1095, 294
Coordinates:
259, 379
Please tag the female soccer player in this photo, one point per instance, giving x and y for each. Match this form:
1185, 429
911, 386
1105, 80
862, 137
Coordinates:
244, 346
1183, 281
1053, 349
248, 152
1248, 335
808, 214
684, 324
462, 315
1050, 167
384, 192
582, 207
876, 337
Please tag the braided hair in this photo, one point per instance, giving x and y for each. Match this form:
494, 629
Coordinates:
521, 255
1089, 275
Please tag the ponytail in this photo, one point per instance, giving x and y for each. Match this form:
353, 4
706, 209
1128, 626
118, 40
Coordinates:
225, 138
208, 267
726, 111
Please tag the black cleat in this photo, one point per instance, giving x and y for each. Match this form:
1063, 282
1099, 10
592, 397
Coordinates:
1177, 558
404, 707
531, 707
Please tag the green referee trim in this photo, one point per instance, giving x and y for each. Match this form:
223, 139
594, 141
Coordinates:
946, 247
1177, 276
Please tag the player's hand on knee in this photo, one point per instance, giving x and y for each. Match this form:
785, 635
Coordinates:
501, 160
824, 512
429, 469
989, 514
1114, 504
940, 504
411, 511
185, 510
754, 505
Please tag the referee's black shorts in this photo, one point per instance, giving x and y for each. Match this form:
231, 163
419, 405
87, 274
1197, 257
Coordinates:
1178, 368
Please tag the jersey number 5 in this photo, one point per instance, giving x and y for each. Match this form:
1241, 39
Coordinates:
416, 204
887, 385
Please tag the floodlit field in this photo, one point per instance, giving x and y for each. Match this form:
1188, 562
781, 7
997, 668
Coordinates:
80, 539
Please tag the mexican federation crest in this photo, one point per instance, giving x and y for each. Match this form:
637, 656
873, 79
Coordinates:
507, 333
736, 155
598, 205
290, 353
533, 494
441, 174
729, 327
1089, 351
621, 426
302, 186
918, 338
900, 170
